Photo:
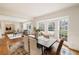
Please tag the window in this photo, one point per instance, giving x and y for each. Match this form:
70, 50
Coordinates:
51, 26
41, 26
63, 32
29, 27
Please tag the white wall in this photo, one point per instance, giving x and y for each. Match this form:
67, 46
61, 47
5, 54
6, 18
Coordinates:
17, 25
73, 34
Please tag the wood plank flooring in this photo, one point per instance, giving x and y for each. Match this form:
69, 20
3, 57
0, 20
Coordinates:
33, 46
4, 46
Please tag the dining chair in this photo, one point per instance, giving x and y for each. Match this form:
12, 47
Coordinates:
59, 47
54, 51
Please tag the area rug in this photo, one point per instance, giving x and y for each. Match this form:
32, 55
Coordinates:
20, 51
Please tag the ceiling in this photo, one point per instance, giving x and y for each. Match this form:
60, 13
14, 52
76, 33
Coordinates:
30, 10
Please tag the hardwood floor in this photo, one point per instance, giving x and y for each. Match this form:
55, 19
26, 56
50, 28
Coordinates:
5, 42
4, 46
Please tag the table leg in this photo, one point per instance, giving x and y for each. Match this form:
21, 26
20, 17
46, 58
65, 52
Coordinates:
42, 50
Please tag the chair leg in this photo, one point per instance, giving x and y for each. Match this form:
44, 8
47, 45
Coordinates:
45, 52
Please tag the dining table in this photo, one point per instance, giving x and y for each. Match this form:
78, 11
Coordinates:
46, 42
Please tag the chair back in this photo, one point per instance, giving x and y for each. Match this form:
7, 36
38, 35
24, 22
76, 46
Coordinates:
59, 47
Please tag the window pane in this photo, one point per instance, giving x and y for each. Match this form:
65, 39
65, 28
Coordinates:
63, 28
51, 26
41, 26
